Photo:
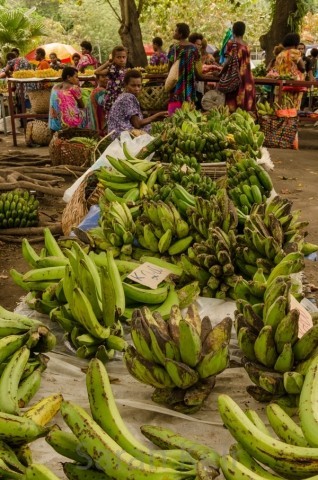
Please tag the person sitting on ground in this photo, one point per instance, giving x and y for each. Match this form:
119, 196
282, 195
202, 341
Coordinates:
116, 69
40, 57
75, 59
55, 63
95, 104
159, 57
66, 104
125, 114
87, 59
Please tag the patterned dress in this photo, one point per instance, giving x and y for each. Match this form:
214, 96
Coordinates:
64, 110
125, 107
188, 55
87, 60
95, 110
115, 86
244, 97
286, 65
158, 59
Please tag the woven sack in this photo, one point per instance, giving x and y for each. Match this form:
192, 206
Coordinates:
279, 132
37, 133
82, 199
40, 101
64, 152
153, 98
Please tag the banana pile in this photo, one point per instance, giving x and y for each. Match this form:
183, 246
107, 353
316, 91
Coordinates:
180, 357
23, 342
152, 69
118, 226
86, 141
270, 231
130, 180
18, 209
85, 300
293, 454
162, 229
45, 73
276, 359
17, 431
101, 446
247, 183
264, 109
247, 135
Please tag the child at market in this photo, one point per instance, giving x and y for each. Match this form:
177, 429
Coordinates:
116, 68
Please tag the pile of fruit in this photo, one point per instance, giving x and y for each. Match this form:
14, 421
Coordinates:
46, 73
157, 69
180, 357
18, 209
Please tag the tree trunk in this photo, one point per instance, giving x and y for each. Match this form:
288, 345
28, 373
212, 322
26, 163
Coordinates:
130, 33
279, 27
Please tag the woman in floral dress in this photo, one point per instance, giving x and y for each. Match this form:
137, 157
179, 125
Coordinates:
125, 114
66, 104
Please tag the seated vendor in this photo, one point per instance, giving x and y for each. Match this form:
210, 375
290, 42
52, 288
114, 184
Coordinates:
66, 104
125, 114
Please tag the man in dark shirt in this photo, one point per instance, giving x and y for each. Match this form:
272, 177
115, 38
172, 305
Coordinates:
308, 65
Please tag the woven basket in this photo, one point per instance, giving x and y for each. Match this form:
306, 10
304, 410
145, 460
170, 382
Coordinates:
40, 100
81, 201
37, 133
279, 132
64, 152
153, 98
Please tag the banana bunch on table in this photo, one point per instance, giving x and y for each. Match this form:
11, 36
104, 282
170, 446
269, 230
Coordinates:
180, 357
18, 430
101, 446
248, 183
294, 454
130, 179
162, 229
270, 231
276, 357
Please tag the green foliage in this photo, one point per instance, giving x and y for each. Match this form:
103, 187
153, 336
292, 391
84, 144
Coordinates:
19, 28
295, 19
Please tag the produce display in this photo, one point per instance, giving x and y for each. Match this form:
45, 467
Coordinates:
45, 73
18, 209
157, 69
180, 357
168, 233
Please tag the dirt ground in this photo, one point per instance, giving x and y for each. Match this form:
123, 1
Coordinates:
295, 176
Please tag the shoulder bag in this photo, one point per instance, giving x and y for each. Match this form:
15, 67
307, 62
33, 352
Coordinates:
230, 79
173, 75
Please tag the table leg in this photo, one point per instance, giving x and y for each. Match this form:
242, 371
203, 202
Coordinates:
12, 114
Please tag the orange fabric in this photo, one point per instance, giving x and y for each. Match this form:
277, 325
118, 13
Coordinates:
43, 65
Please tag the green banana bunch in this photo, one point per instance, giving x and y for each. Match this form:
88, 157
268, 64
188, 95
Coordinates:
123, 465
179, 357
291, 456
18, 209
265, 108
118, 225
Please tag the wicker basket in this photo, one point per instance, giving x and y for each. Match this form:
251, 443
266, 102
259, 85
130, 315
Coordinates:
40, 100
153, 98
63, 152
81, 201
37, 133
213, 170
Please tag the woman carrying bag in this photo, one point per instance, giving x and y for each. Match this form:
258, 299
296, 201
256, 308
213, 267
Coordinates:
183, 64
243, 95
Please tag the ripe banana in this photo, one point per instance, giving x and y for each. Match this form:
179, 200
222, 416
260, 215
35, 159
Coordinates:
45, 409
